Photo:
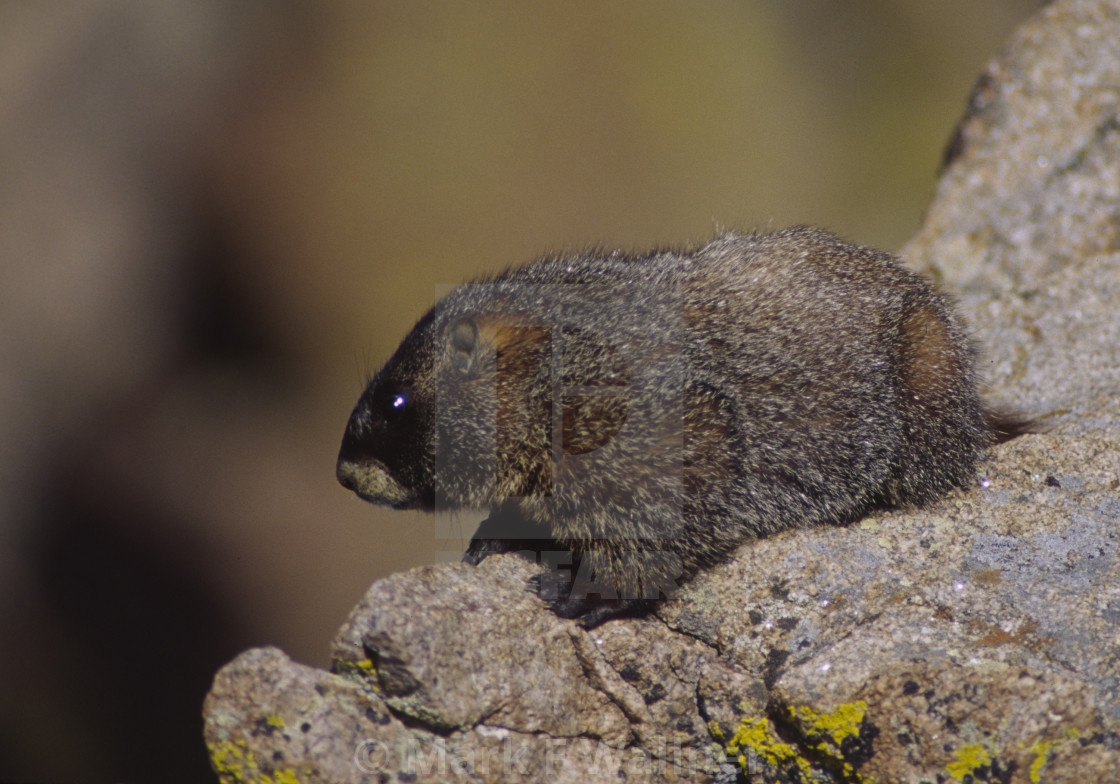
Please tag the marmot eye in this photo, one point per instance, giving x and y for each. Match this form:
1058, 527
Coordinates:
395, 405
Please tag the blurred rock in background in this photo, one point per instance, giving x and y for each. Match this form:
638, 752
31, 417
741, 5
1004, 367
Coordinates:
216, 219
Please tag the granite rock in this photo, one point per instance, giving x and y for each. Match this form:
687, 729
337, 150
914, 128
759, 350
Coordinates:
976, 639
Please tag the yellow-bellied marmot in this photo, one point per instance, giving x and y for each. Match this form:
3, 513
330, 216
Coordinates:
650, 413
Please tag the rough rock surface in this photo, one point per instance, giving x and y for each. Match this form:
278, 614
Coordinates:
977, 638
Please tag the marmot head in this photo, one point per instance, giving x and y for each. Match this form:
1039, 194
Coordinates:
458, 417
497, 383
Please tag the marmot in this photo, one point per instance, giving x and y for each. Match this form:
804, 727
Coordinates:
651, 413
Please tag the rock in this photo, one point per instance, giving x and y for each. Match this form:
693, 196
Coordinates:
979, 637
511, 671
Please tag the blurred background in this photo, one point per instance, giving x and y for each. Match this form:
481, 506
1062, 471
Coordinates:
217, 218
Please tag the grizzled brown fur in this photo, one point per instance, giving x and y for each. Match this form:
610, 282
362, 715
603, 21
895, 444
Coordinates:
652, 413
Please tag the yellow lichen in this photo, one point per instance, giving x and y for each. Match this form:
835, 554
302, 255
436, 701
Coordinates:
967, 760
757, 734
842, 723
229, 760
821, 737
363, 668
285, 776
235, 762
1042, 749
827, 731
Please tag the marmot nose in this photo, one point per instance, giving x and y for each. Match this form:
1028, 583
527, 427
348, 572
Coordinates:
344, 472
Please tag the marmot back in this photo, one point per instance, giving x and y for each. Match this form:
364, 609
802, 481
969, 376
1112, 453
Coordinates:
652, 413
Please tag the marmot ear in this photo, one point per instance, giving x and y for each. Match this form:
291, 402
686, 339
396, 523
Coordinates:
462, 338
